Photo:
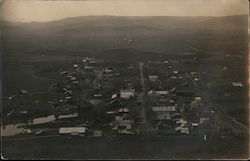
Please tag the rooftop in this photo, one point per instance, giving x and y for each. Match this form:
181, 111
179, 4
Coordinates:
67, 130
164, 109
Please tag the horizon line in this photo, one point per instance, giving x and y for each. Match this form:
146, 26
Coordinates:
28, 22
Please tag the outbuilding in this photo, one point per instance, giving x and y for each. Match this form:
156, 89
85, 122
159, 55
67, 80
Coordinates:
70, 130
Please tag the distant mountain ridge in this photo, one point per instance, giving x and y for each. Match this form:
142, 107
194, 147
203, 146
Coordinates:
87, 18
109, 35
156, 21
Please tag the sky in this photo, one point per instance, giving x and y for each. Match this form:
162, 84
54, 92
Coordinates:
49, 10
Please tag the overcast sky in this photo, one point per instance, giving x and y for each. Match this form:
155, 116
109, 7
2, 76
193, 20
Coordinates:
49, 10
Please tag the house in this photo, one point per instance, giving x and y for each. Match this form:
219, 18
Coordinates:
204, 120
197, 98
163, 116
194, 124
68, 93
184, 84
11, 97
95, 101
164, 109
196, 79
66, 108
87, 67
187, 92
153, 78
73, 78
68, 97
181, 121
175, 72
125, 125
194, 73
150, 92
184, 130
43, 120
237, 84
23, 112
71, 130
40, 132
108, 70
195, 104
75, 65
69, 76
97, 95
63, 72
118, 118
128, 93
123, 110
111, 112
97, 133
131, 67
114, 96
117, 74
75, 82
163, 100
125, 131
176, 114
162, 93
182, 126
92, 62
22, 91
10, 130
171, 101
108, 75
122, 122
73, 115
173, 77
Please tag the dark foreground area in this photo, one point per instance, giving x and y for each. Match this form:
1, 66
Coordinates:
171, 147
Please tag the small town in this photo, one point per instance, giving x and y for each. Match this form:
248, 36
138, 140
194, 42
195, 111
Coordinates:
92, 98
130, 80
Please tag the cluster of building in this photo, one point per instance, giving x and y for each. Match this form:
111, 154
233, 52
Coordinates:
85, 92
175, 107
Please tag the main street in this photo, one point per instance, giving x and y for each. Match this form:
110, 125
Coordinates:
141, 97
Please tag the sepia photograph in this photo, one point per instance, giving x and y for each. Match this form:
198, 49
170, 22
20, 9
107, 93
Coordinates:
124, 79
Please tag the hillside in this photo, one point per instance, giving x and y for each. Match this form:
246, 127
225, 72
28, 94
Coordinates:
95, 34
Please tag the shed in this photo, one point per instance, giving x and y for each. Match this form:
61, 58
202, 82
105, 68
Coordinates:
69, 130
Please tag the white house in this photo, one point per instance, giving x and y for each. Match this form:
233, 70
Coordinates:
126, 94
